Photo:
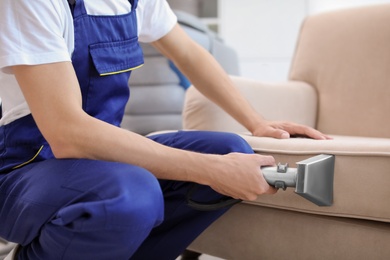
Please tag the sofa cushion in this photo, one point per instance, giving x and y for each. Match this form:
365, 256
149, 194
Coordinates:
361, 177
155, 72
361, 174
166, 99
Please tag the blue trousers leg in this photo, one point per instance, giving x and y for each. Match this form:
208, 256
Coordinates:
79, 209
183, 224
85, 209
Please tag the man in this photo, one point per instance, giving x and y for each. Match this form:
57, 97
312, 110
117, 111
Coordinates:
73, 184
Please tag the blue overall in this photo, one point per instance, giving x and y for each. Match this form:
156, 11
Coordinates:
90, 209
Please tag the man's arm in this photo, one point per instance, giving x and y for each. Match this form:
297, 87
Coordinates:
53, 95
212, 81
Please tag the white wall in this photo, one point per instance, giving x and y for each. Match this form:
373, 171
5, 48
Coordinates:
315, 6
264, 32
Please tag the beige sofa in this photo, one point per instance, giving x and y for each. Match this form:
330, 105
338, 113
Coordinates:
339, 83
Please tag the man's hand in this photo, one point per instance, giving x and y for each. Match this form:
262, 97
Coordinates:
239, 176
284, 130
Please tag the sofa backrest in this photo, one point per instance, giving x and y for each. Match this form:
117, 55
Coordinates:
345, 55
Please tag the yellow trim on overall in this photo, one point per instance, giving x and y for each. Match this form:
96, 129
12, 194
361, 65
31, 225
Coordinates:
121, 71
32, 159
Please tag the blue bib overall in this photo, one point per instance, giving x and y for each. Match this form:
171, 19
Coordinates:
89, 209
106, 50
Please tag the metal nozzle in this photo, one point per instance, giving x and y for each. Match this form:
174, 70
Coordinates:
315, 179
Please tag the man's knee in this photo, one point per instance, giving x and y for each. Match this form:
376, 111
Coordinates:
234, 143
222, 142
115, 196
139, 200
205, 141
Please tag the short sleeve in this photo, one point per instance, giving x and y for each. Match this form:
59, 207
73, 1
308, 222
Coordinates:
32, 32
155, 19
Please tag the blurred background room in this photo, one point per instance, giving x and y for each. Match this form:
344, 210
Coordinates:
263, 32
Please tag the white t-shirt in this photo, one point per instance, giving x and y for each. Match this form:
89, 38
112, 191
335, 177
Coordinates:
41, 31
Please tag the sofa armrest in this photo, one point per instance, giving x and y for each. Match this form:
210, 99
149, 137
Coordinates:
293, 100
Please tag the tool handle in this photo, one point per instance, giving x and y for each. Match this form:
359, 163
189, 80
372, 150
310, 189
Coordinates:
280, 179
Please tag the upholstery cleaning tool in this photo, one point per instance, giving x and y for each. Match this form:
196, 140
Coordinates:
312, 179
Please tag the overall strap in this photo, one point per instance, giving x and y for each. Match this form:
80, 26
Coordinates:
77, 7
134, 4
80, 10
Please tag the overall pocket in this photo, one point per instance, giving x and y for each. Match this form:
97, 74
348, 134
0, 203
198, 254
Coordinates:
116, 57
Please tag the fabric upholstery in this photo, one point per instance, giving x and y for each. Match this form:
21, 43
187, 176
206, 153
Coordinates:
344, 55
339, 83
355, 156
252, 233
361, 175
294, 100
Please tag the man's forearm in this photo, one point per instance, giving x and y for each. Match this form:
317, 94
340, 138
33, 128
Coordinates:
207, 76
216, 85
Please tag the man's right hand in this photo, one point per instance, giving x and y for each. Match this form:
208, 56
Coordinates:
239, 176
